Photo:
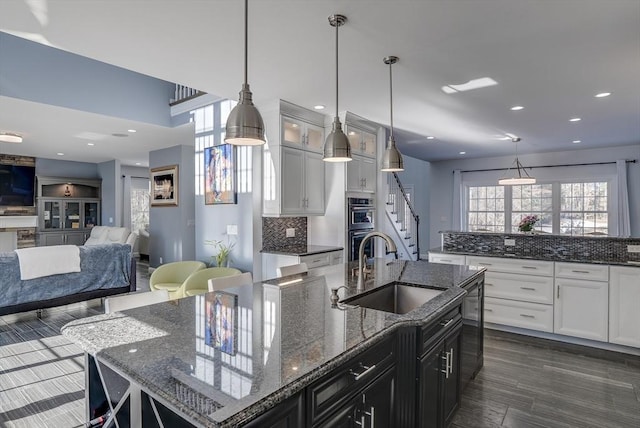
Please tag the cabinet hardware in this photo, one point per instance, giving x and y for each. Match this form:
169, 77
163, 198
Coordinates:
527, 316
489, 284
528, 288
580, 271
488, 309
446, 368
445, 260
372, 416
529, 267
367, 370
446, 324
558, 295
484, 264
316, 261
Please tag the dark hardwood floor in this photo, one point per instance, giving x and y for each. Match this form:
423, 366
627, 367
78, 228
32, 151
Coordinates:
525, 382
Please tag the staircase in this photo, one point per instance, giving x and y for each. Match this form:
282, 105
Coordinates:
403, 217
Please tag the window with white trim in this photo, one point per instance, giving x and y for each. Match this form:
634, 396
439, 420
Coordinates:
570, 208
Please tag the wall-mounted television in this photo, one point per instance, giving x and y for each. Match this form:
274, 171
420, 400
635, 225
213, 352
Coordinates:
17, 185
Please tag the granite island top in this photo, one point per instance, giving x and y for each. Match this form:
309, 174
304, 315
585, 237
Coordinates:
287, 335
304, 250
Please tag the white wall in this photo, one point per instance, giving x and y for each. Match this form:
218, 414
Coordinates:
441, 179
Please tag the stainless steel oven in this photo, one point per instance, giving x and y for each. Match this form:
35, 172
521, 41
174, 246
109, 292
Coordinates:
355, 238
361, 213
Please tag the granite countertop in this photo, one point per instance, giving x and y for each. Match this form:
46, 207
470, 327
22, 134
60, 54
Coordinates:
305, 250
288, 336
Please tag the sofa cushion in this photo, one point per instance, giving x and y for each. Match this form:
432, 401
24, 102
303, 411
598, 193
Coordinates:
108, 235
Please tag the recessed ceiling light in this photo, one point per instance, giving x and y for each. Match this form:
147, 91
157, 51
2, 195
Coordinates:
577, 141
516, 108
131, 130
463, 153
318, 107
431, 137
482, 82
575, 119
603, 94
60, 154
138, 163
10, 137
90, 144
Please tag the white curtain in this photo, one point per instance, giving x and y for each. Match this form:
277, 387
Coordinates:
126, 203
456, 210
624, 221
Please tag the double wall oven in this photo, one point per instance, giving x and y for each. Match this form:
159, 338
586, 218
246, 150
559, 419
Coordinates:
360, 221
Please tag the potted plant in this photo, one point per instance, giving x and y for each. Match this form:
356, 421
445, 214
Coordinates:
222, 258
527, 222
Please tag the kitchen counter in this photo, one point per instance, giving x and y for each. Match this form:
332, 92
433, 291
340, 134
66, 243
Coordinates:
288, 335
306, 250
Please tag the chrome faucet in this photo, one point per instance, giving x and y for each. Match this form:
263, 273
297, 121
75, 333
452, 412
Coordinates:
362, 259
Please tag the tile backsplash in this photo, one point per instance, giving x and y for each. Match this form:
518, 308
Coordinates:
274, 233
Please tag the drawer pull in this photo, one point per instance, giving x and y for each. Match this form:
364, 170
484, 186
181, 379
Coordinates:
529, 267
580, 271
485, 264
446, 324
489, 284
488, 309
528, 288
316, 261
358, 376
527, 316
445, 260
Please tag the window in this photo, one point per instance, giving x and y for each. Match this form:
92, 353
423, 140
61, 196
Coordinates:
140, 206
209, 129
563, 208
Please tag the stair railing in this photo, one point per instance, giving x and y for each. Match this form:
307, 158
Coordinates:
406, 215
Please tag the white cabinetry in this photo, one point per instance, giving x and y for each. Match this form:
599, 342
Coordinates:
518, 292
270, 261
581, 306
361, 174
362, 142
293, 170
624, 304
450, 259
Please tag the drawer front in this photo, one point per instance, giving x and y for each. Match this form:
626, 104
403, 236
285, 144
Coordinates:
451, 259
431, 333
527, 288
496, 264
331, 392
582, 271
316, 260
335, 257
533, 316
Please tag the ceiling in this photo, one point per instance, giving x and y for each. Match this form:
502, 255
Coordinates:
550, 57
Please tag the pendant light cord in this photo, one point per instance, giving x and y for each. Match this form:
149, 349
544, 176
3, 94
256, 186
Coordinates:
391, 96
246, 41
337, 25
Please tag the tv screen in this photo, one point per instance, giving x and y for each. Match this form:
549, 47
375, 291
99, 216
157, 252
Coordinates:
17, 185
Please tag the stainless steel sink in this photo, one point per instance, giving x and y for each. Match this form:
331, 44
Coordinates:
395, 297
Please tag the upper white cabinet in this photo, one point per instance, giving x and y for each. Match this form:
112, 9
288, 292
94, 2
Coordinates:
624, 301
361, 174
362, 142
293, 170
581, 306
449, 259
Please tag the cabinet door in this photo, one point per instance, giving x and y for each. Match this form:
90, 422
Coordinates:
315, 138
354, 180
72, 215
292, 132
430, 372
292, 181
46, 239
50, 213
74, 238
355, 138
581, 308
368, 172
624, 299
348, 416
91, 214
289, 414
369, 144
379, 401
451, 381
314, 183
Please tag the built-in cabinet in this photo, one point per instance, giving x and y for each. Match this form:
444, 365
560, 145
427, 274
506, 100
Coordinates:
294, 172
271, 261
361, 174
362, 169
363, 142
624, 300
67, 210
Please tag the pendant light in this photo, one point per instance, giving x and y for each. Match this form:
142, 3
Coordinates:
244, 124
392, 158
336, 146
522, 177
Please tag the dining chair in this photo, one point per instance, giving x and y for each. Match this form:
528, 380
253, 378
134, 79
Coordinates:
291, 269
171, 276
134, 300
197, 283
230, 281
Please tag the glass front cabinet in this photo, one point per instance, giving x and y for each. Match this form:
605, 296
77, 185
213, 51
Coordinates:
67, 210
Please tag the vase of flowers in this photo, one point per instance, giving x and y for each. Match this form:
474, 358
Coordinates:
222, 258
527, 222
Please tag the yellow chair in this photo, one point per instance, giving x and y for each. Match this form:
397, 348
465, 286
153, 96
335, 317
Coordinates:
171, 276
230, 281
197, 283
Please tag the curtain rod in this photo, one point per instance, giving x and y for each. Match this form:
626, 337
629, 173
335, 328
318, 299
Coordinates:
135, 176
548, 166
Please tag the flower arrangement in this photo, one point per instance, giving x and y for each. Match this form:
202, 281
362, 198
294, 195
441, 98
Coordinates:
527, 222
224, 250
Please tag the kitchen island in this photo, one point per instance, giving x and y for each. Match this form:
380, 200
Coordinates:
276, 344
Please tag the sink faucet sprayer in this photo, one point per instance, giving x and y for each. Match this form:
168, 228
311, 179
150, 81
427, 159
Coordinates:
362, 260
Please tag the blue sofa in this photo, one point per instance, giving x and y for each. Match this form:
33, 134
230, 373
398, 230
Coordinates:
105, 270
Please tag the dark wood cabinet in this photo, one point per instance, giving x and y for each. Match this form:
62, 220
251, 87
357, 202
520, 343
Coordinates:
439, 380
289, 414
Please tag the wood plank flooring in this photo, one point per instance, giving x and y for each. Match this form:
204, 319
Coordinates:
525, 382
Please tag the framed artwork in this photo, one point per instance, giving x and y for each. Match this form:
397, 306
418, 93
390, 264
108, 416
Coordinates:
219, 181
221, 330
164, 186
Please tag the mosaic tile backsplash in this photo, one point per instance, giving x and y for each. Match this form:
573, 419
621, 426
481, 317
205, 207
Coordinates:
274, 233
542, 246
